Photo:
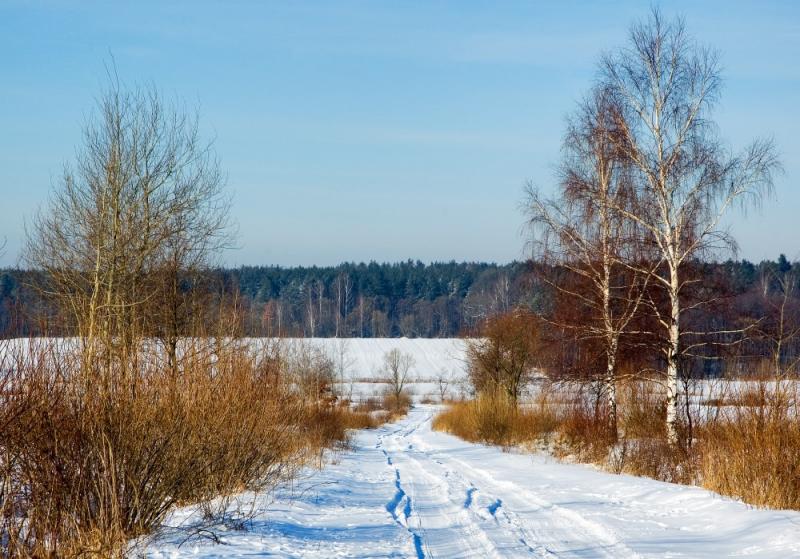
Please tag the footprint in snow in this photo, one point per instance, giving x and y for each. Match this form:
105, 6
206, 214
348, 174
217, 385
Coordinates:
468, 500
494, 506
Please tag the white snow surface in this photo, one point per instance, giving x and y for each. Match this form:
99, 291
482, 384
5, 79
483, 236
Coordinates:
363, 357
407, 491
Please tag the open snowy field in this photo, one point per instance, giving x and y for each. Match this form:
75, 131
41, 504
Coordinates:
361, 363
362, 358
359, 359
435, 360
406, 491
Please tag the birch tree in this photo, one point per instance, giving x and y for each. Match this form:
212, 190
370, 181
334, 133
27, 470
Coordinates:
590, 245
686, 179
310, 308
344, 288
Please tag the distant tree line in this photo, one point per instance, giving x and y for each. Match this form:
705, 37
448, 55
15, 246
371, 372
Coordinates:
414, 299
409, 299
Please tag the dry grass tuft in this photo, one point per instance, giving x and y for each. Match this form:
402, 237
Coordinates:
493, 419
753, 452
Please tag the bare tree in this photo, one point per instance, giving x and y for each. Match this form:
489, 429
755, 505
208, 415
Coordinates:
141, 208
342, 359
396, 366
686, 180
780, 327
589, 248
319, 291
502, 299
344, 288
379, 324
313, 372
310, 308
443, 381
361, 315
503, 360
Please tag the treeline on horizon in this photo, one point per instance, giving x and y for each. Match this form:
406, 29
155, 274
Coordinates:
410, 299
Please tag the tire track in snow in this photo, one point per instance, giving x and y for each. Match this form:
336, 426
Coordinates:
613, 546
514, 524
400, 496
447, 528
551, 528
444, 507
524, 523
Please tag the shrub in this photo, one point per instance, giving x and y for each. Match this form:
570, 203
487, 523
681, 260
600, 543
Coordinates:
504, 358
398, 402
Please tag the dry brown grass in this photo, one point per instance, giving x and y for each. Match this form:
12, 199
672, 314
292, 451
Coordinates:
398, 404
493, 419
375, 411
583, 433
352, 419
358, 418
641, 410
748, 396
753, 452
93, 457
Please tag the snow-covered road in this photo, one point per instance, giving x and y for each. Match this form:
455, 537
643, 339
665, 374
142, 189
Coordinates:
407, 491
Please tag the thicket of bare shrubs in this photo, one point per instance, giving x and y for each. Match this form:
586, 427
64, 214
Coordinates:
88, 464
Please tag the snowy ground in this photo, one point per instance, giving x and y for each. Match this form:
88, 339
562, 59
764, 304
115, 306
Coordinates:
406, 491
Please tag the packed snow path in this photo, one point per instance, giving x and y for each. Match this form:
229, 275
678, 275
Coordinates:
406, 491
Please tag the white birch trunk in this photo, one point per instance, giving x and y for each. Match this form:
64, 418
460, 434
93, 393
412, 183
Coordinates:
673, 354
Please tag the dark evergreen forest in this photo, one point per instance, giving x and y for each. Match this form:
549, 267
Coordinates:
409, 299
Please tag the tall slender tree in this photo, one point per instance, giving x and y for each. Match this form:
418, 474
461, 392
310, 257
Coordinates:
686, 180
591, 248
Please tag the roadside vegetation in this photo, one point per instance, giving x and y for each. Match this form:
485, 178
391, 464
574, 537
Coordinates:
628, 327
94, 458
747, 448
155, 401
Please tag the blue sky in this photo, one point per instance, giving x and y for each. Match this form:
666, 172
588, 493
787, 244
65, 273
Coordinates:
376, 130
